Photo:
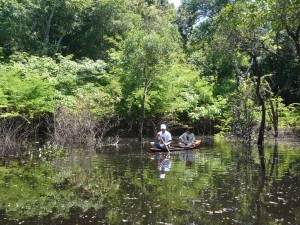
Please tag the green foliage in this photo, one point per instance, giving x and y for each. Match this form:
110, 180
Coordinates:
144, 58
24, 94
243, 111
98, 100
113, 53
68, 26
289, 117
34, 85
222, 42
99, 21
14, 30
196, 21
204, 105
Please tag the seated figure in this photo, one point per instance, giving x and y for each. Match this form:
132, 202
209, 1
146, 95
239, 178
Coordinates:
187, 139
163, 139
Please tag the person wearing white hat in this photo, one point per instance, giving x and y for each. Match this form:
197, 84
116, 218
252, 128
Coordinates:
163, 138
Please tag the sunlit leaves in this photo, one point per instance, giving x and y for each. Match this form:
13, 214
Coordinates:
25, 94
243, 108
289, 116
34, 85
144, 56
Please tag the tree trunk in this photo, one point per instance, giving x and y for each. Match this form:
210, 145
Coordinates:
239, 74
47, 33
295, 38
58, 45
146, 85
274, 115
258, 73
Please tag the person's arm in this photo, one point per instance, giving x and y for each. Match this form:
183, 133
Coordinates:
158, 138
170, 139
181, 138
193, 137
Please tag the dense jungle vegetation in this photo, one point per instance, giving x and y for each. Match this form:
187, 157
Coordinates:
74, 71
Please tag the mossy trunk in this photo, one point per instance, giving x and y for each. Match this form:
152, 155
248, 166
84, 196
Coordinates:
146, 85
258, 74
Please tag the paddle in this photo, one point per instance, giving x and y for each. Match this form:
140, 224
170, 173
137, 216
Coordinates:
167, 147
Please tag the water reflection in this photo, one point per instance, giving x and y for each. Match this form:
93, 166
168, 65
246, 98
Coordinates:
188, 157
259, 198
217, 184
274, 159
261, 153
163, 164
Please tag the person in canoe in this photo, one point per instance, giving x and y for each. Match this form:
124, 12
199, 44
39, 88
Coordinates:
163, 138
187, 139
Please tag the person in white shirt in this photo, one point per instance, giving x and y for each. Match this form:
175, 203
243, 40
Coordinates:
163, 138
187, 138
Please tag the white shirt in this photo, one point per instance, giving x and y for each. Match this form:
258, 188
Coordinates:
187, 140
165, 136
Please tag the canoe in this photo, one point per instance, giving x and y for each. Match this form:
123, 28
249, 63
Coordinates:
178, 148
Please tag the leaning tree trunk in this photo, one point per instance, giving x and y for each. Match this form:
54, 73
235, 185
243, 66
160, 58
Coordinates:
239, 74
57, 46
258, 73
295, 37
146, 85
274, 115
47, 33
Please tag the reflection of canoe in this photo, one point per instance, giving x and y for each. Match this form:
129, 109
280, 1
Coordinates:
196, 144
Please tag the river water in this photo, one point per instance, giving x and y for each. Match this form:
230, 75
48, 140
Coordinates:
219, 183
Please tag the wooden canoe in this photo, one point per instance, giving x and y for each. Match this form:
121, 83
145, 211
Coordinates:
178, 148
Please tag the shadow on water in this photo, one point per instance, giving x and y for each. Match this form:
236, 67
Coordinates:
220, 183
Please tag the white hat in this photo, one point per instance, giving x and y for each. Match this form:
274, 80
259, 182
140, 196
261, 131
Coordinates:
163, 126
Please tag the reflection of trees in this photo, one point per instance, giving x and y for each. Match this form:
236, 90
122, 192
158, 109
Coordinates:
260, 186
274, 160
284, 187
41, 189
242, 195
224, 186
144, 201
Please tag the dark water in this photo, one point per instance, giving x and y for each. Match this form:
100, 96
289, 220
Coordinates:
220, 183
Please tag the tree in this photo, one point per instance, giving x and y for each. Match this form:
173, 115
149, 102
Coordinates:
145, 56
39, 27
247, 30
15, 31
285, 60
196, 17
100, 22
286, 16
55, 19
